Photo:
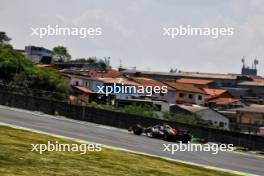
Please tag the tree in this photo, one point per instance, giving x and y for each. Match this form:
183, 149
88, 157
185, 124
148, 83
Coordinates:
102, 64
4, 38
92, 60
61, 53
20, 75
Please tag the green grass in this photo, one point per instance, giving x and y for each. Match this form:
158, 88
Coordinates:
16, 158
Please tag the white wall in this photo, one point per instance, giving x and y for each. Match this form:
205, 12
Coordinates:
214, 117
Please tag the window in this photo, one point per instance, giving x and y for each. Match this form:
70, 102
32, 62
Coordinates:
76, 83
200, 97
190, 96
221, 124
181, 95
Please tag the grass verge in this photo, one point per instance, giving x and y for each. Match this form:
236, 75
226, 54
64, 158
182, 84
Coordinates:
16, 158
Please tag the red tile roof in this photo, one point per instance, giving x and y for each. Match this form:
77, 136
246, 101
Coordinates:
194, 81
224, 101
110, 73
83, 89
150, 82
214, 92
259, 80
185, 87
124, 81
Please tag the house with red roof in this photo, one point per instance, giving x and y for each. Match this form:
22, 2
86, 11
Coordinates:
187, 93
97, 87
81, 95
221, 99
108, 73
169, 97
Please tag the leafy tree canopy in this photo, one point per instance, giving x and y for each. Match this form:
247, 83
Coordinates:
17, 71
4, 39
62, 53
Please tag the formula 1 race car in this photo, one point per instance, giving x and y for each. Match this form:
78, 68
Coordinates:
164, 132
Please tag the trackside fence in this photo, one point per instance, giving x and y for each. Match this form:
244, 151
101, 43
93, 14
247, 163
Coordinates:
122, 120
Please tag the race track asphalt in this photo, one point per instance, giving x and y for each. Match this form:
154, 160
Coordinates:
122, 139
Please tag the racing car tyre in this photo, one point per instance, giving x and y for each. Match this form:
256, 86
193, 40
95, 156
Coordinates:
137, 130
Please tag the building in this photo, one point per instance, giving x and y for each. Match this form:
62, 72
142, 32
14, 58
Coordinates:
108, 73
187, 93
217, 93
82, 95
38, 54
160, 76
251, 115
220, 79
255, 88
169, 97
94, 85
210, 116
249, 71
200, 83
221, 99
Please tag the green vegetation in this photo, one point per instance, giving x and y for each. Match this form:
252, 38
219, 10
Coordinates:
4, 39
187, 119
16, 158
90, 60
62, 53
19, 74
141, 110
91, 63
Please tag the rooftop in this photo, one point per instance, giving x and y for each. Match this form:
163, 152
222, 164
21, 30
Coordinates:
224, 101
83, 89
124, 81
192, 108
251, 83
109, 73
214, 92
209, 75
194, 81
150, 82
202, 75
252, 108
259, 80
185, 87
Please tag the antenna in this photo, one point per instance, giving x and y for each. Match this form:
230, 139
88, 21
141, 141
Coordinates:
256, 62
120, 63
243, 60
